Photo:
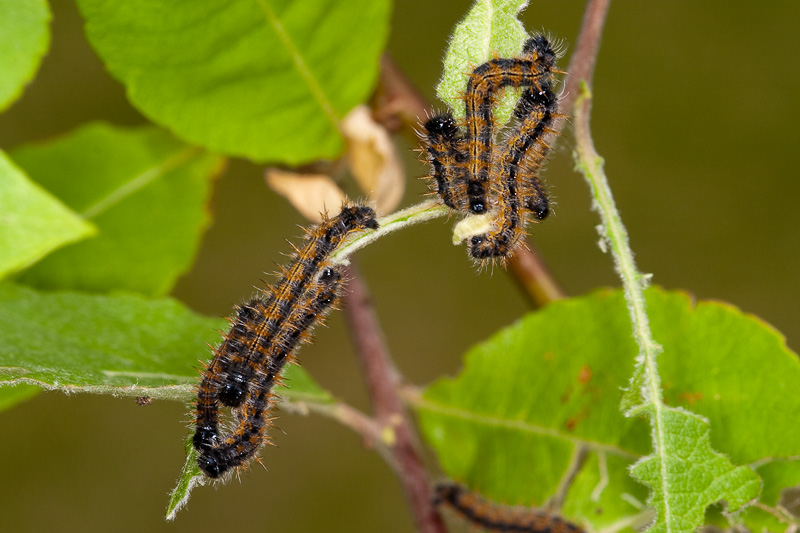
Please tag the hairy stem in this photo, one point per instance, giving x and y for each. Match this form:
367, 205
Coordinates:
421, 212
591, 165
584, 58
616, 236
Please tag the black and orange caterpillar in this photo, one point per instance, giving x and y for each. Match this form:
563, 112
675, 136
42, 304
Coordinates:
474, 174
264, 335
493, 517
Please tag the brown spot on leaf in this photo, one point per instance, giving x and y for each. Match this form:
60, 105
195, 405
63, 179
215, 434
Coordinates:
584, 375
690, 397
573, 421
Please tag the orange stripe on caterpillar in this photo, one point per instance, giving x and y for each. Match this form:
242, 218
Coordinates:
536, 113
517, 190
262, 339
447, 155
514, 178
474, 173
493, 517
483, 89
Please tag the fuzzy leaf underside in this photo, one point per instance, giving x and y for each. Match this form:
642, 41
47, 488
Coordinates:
491, 27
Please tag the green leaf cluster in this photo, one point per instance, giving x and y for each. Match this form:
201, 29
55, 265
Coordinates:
144, 190
546, 389
98, 224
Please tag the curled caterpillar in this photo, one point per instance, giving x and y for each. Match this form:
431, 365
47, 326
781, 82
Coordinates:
473, 173
483, 89
263, 337
492, 517
517, 189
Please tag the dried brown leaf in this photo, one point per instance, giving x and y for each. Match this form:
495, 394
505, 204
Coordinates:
373, 159
310, 194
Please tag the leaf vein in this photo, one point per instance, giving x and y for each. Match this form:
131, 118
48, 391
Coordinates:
300, 63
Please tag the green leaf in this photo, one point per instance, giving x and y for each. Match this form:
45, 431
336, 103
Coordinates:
147, 193
32, 221
687, 475
530, 398
123, 344
24, 39
264, 79
491, 27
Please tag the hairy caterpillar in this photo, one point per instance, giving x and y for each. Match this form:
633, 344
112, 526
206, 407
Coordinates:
447, 155
264, 335
493, 517
517, 191
473, 173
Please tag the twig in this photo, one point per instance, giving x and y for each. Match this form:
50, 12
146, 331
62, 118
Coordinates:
368, 428
398, 104
584, 58
383, 380
533, 277
578, 459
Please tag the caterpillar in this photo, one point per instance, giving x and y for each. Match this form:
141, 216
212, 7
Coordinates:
517, 189
492, 517
475, 174
447, 155
483, 88
263, 337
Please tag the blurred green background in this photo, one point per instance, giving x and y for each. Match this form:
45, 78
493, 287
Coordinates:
696, 114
